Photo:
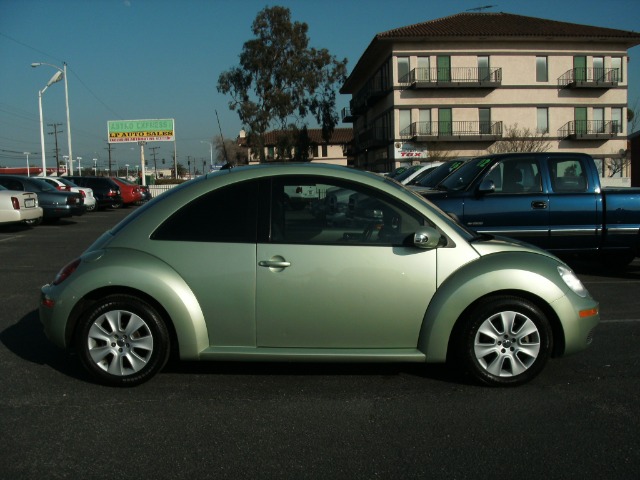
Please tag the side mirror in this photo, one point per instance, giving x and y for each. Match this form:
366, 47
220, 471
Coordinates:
487, 186
427, 238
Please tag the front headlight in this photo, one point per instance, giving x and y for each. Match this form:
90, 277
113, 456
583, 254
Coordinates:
572, 281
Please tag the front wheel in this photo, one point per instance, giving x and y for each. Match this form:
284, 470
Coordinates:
122, 341
505, 341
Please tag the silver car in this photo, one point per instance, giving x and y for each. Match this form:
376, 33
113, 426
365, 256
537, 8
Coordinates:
223, 268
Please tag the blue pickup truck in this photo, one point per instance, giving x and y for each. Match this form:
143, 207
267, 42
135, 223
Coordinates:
553, 200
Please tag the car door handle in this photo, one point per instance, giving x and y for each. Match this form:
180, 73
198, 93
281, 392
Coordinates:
539, 205
274, 264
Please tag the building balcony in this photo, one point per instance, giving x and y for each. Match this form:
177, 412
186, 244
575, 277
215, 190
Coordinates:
589, 78
453, 131
372, 137
348, 116
590, 130
372, 92
458, 77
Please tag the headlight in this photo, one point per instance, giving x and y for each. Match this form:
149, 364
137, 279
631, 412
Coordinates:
572, 281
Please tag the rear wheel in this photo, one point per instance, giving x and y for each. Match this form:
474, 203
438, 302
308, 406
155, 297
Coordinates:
122, 341
505, 341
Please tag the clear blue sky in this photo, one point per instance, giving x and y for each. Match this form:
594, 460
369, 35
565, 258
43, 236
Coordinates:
143, 59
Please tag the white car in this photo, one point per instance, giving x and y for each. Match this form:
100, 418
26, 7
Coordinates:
65, 185
19, 207
415, 170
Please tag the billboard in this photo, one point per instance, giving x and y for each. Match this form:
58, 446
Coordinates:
156, 130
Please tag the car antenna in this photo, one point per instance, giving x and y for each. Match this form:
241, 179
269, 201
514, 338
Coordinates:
227, 165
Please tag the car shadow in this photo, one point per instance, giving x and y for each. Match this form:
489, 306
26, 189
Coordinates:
595, 268
26, 339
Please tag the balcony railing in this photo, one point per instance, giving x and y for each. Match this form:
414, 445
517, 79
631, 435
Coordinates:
584, 77
373, 91
448, 131
590, 129
372, 137
348, 116
457, 77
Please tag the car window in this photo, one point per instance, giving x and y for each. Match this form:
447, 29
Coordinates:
42, 185
312, 210
228, 214
516, 175
11, 184
568, 175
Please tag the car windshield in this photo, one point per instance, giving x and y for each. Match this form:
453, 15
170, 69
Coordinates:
461, 178
410, 170
432, 178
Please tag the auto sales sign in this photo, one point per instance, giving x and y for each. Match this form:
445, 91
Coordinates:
157, 130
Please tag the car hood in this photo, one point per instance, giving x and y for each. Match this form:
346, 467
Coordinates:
488, 245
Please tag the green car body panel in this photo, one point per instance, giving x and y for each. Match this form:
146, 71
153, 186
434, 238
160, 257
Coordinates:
223, 305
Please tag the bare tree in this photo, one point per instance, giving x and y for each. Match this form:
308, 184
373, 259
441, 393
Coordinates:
516, 139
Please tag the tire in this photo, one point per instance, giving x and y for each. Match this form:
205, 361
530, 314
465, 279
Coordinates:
505, 341
34, 222
122, 341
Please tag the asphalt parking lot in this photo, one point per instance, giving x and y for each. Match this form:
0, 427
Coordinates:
578, 419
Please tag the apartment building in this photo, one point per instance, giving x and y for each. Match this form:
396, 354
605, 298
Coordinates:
465, 84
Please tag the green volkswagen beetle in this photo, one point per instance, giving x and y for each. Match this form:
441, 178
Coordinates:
358, 269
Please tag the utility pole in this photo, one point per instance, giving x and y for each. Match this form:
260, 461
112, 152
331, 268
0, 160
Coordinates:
155, 166
110, 147
55, 133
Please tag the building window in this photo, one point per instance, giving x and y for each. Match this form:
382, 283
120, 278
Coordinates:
484, 115
271, 153
598, 68
422, 72
616, 120
324, 150
598, 120
616, 65
543, 120
542, 74
404, 122
483, 68
424, 125
444, 68
403, 69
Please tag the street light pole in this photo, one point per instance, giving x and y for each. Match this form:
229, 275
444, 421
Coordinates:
62, 71
79, 167
27, 154
210, 152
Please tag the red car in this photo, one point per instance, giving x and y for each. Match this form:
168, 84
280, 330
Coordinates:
130, 193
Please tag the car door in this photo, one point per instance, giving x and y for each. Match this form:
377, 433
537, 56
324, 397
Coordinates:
575, 209
211, 243
517, 208
337, 274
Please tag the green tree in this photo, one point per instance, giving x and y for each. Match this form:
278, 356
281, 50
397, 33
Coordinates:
281, 80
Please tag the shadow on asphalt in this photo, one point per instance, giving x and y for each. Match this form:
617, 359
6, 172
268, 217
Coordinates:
26, 339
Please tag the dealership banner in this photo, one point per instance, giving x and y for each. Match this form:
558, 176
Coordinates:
157, 130
408, 151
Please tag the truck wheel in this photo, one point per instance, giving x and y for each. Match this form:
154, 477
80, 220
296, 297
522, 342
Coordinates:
505, 341
122, 341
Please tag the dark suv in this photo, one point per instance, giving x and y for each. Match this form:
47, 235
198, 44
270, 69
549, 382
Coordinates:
105, 190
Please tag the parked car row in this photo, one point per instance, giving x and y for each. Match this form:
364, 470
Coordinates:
31, 200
